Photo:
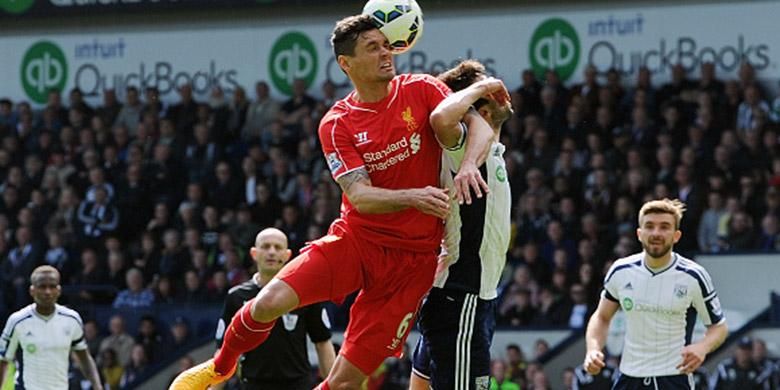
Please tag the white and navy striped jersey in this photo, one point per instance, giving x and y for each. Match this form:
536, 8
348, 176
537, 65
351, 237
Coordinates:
41, 346
660, 310
476, 236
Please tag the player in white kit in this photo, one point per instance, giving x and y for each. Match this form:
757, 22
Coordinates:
661, 294
40, 337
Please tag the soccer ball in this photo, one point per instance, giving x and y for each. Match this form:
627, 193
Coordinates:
401, 21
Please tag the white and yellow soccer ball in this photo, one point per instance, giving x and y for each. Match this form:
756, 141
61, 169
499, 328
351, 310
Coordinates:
401, 21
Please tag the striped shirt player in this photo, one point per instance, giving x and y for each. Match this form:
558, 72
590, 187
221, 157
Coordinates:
661, 309
457, 318
661, 294
41, 346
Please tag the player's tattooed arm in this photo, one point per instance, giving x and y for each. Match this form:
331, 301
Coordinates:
369, 199
348, 180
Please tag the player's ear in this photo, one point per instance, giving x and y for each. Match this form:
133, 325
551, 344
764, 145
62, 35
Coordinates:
638, 234
485, 113
253, 252
287, 255
343, 62
677, 235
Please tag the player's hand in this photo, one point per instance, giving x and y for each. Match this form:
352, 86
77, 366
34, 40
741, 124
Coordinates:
433, 201
494, 89
467, 179
594, 362
692, 357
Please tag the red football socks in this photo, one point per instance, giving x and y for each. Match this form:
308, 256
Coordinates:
242, 335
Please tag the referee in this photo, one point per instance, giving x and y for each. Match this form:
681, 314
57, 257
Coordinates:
282, 362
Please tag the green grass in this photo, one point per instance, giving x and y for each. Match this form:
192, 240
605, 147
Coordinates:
9, 384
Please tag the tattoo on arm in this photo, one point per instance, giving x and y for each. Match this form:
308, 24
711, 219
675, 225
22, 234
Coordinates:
357, 176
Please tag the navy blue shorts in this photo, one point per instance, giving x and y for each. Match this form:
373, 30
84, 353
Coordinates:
454, 350
671, 382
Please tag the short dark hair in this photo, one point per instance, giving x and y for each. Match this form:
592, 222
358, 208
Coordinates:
346, 33
463, 75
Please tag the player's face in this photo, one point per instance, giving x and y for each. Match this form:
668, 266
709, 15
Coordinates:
270, 253
658, 234
45, 290
373, 60
499, 112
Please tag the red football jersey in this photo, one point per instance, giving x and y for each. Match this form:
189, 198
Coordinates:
393, 140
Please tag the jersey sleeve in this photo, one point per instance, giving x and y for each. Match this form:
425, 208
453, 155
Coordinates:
706, 302
317, 323
77, 342
232, 304
9, 341
435, 91
610, 290
338, 146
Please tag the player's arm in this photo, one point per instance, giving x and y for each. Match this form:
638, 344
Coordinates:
596, 335
446, 121
89, 368
8, 345
3, 370
326, 355
707, 305
369, 199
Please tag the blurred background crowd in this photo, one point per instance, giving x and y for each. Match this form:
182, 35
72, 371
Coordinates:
141, 203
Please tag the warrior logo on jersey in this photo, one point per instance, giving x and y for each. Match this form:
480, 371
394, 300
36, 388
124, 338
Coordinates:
680, 290
414, 143
333, 162
411, 124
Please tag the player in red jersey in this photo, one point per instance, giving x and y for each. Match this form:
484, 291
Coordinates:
383, 146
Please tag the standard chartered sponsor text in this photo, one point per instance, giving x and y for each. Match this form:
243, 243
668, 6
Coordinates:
379, 161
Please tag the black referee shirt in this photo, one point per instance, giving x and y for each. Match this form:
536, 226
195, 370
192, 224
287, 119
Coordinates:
284, 355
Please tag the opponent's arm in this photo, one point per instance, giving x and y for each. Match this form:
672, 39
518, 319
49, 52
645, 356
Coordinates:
445, 121
88, 368
596, 335
694, 354
446, 117
368, 199
326, 355
3, 370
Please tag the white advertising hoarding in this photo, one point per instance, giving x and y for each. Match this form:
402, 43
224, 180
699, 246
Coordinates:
507, 42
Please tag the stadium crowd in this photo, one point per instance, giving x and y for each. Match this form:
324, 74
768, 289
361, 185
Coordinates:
138, 202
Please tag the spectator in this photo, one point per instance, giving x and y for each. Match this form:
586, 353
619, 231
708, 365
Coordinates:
98, 217
739, 371
136, 296
150, 338
118, 340
708, 237
498, 378
110, 369
92, 337
260, 114
129, 115
138, 366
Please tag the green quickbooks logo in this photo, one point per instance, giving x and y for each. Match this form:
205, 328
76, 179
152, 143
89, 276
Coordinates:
16, 6
43, 68
293, 56
555, 45
628, 304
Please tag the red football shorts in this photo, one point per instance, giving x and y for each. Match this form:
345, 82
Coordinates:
392, 283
